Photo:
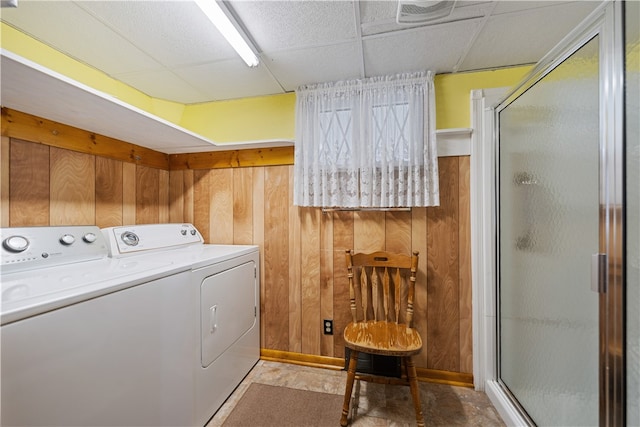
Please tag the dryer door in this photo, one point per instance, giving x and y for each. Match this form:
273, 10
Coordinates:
227, 309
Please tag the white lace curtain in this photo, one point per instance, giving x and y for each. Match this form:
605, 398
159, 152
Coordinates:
367, 143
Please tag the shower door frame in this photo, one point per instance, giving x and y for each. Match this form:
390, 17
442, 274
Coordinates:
605, 22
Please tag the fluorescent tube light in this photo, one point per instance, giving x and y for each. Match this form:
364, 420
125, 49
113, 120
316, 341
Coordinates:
214, 12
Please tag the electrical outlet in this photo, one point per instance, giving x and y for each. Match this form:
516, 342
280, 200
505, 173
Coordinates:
328, 326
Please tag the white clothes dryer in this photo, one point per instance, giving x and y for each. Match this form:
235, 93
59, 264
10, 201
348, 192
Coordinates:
224, 281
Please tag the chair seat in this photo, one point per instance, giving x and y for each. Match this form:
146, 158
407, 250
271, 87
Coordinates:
385, 338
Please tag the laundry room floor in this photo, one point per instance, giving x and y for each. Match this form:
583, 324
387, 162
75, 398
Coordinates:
379, 405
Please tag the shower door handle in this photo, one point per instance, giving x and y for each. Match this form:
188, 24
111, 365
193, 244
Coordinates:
599, 273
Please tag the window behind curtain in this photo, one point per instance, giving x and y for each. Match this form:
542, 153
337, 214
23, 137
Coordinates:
367, 143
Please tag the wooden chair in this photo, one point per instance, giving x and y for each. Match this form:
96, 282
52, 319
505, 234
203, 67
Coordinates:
381, 291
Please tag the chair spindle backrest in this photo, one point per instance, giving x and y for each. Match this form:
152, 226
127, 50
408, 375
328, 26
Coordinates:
371, 300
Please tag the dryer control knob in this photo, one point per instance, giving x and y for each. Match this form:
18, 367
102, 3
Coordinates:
193, 232
67, 239
89, 237
16, 243
130, 238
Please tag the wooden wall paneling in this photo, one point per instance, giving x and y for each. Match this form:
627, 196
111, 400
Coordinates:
129, 193
147, 182
295, 273
72, 183
369, 231
28, 184
443, 271
187, 215
464, 263
326, 280
108, 192
242, 206
163, 196
276, 257
221, 206
310, 280
4, 181
258, 237
176, 196
343, 238
202, 197
419, 243
398, 232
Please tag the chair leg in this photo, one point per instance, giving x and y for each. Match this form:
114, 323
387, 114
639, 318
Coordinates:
351, 374
415, 390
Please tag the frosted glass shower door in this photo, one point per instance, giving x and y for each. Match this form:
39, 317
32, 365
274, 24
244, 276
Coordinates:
548, 206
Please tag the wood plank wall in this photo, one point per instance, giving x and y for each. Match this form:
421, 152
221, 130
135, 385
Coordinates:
302, 255
44, 185
302, 249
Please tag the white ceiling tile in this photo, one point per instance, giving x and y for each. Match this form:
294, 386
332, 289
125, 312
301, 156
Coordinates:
521, 5
427, 48
173, 32
68, 29
512, 39
372, 11
214, 79
378, 17
163, 84
314, 65
276, 25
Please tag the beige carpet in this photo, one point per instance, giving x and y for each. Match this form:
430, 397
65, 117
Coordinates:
271, 406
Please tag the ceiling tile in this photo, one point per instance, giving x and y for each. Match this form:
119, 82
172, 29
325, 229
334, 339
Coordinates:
518, 6
428, 48
373, 11
62, 24
315, 65
276, 25
163, 84
515, 38
213, 79
173, 32
379, 17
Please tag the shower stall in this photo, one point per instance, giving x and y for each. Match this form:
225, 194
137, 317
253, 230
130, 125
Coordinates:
566, 248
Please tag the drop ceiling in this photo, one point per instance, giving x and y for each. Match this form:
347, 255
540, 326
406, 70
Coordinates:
169, 50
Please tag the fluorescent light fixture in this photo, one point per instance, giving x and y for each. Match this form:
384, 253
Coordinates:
214, 12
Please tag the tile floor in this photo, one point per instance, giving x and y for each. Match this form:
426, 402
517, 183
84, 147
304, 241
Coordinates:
378, 405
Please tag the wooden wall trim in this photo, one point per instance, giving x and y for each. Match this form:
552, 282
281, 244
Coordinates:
337, 364
274, 156
19, 125
27, 127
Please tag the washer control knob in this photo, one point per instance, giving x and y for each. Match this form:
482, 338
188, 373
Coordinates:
130, 238
183, 232
193, 232
89, 237
67, 239
15, 243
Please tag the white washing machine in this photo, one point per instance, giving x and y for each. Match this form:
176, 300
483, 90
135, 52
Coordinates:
225, 285
91, 340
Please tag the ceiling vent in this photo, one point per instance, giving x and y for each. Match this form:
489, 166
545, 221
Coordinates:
419, 11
